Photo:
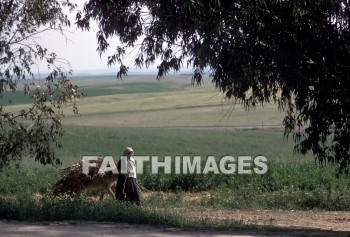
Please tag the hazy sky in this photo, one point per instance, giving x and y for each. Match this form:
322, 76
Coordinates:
79, 48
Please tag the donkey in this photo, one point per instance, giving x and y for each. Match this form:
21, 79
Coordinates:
73, 181
105, 183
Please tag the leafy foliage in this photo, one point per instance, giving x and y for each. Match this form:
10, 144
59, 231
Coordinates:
33, 129
295, 53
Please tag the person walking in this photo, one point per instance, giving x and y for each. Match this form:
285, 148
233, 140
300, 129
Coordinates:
127, 188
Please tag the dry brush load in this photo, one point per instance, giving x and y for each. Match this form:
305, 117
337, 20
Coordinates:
72, 180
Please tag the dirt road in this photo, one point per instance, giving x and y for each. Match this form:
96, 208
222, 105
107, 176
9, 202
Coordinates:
269, 223
91, 229
324, 220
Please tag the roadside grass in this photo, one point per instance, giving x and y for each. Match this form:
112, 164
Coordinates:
25, 207
304, 188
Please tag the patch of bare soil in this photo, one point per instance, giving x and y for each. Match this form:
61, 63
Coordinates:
323, 220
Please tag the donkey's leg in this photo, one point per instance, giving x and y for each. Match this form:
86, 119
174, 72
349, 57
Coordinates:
102, 195
110, 191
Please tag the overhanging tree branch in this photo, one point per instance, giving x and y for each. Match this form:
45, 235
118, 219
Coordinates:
34, 129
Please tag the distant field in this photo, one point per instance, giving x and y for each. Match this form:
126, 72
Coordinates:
169, 102
141, 101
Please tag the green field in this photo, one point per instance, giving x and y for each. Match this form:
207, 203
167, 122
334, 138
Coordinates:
172, 118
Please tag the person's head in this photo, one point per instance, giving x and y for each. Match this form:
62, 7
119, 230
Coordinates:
128, 151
